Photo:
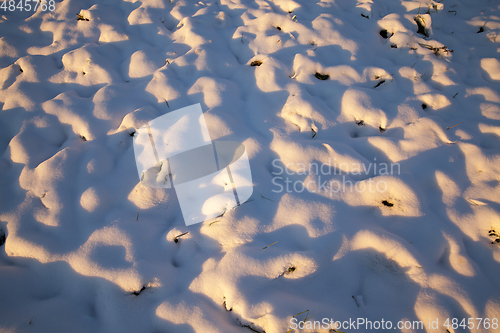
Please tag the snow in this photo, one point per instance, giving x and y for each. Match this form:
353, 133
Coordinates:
373, 136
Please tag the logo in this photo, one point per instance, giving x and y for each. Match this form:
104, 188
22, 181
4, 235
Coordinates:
209, 177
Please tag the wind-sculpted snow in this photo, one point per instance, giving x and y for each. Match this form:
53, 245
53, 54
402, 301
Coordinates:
373, 134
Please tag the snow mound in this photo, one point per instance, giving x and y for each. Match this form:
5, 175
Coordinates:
373, 135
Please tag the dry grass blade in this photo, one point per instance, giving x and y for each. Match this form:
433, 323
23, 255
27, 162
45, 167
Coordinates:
455, 125
263, 197
269, 245
437, 50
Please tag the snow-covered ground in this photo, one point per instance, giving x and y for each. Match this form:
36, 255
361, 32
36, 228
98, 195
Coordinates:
372, 129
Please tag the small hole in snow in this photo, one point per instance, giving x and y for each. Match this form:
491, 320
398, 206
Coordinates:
387, 203
138, 292
384, 33
321, 76
491, 233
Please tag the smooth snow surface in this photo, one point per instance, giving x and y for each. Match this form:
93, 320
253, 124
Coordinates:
400, 94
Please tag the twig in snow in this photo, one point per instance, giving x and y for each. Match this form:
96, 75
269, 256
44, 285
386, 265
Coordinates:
176, 238
138, 292
289, 270
263, 197
225, 306
251, 328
